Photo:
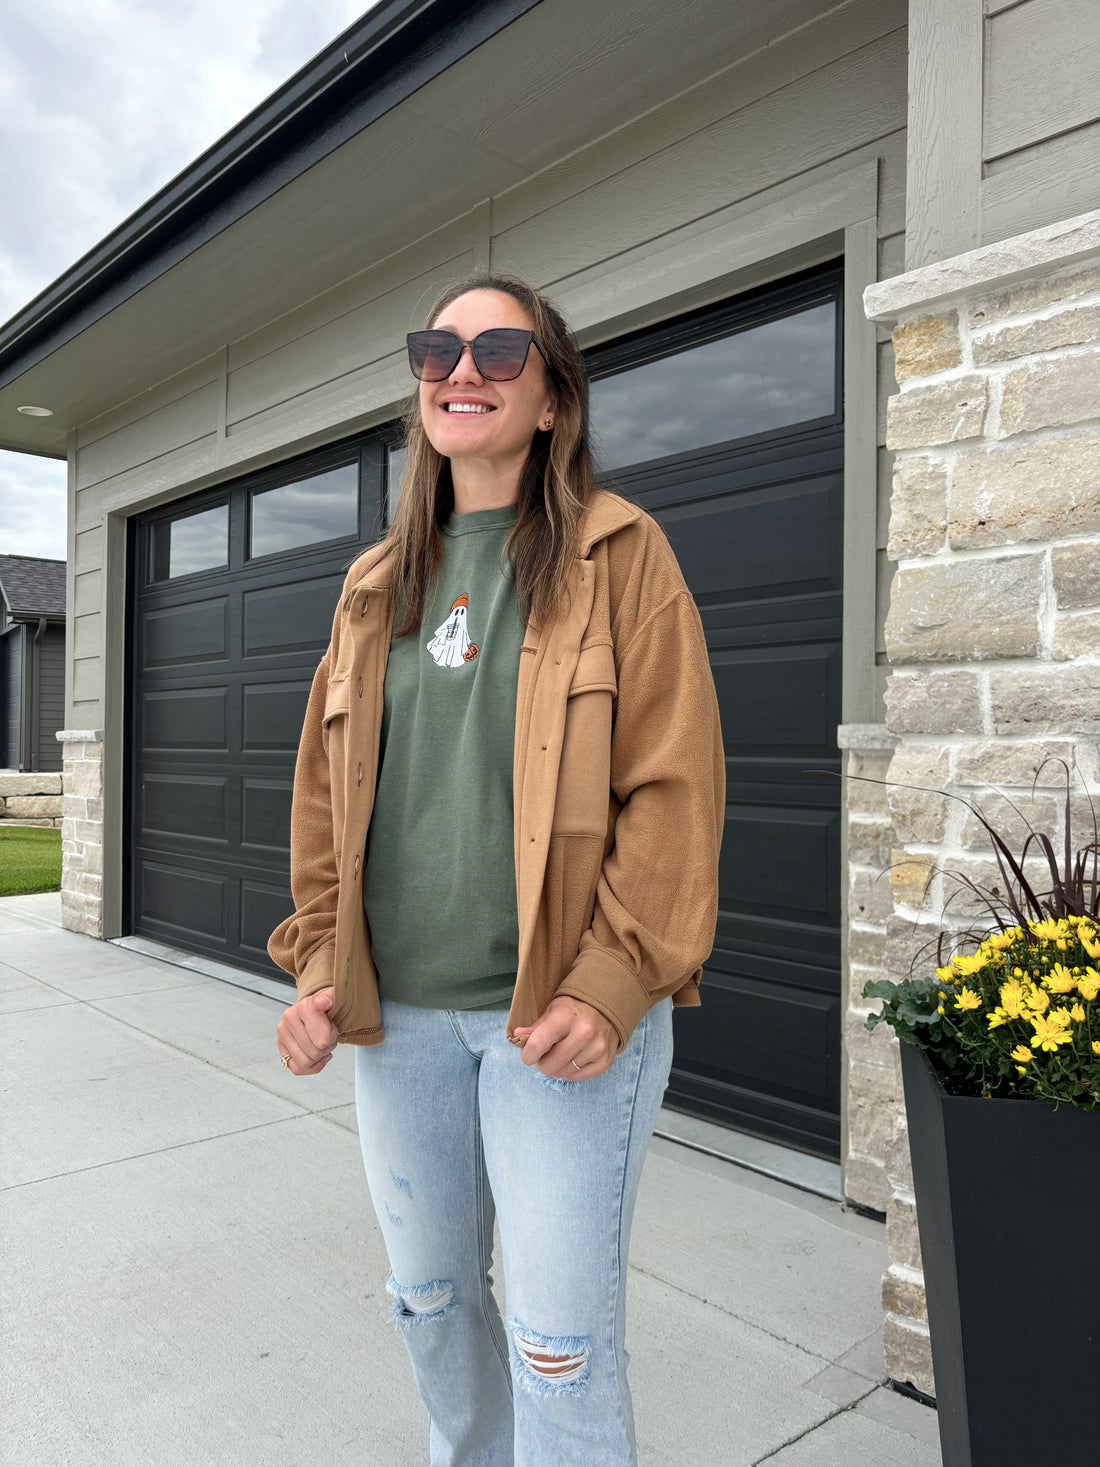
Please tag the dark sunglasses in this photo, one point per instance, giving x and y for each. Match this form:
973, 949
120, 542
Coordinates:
499, 354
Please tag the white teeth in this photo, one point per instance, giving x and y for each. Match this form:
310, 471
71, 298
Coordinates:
466, 407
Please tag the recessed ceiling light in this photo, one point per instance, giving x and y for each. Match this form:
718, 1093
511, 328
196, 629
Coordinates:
37, 412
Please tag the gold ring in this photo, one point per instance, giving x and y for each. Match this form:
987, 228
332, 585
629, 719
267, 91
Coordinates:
286, 1061
575, 1065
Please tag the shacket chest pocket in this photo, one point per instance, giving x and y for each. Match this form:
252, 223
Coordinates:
334, 726
584, 773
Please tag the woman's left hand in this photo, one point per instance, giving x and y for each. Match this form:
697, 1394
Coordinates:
570, 1030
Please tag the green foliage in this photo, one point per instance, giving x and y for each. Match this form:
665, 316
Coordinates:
30, 859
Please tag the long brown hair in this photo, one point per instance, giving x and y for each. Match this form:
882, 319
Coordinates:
554, 487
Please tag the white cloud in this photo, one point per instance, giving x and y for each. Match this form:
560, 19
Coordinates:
102, 102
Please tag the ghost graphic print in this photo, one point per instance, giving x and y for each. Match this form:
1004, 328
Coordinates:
451, 645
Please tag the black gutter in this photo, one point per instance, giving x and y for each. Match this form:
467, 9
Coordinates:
378, 62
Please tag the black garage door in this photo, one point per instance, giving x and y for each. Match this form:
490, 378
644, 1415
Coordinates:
727, 426
233, 595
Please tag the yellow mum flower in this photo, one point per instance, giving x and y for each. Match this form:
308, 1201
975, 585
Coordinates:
1020, 1070
968, 999
1023, 1054
1088, 986
1049, 928
969, 963
945, 975
1096, 1046
1077, 1014
1090, 941
1012, 998
1060, 979
998, 940
1060, 1016
997, 1018
1037, 999
1049, 1034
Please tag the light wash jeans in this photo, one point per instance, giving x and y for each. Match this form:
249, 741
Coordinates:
452, 1122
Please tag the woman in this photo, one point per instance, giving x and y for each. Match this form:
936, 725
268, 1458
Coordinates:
507, 810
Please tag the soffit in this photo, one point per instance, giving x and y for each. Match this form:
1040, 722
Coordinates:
564, 73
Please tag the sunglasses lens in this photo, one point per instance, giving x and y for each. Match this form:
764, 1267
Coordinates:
501, 353
432, 354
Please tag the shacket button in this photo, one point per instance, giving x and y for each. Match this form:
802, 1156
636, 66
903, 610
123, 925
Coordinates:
358, 774
363, 608
347, 968
359, 687
357, 865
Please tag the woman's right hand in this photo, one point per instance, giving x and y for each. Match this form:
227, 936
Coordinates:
307, 1034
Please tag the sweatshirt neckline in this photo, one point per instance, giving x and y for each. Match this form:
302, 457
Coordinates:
480, 519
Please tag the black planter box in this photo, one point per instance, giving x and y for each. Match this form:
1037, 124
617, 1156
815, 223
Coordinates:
1008, 1208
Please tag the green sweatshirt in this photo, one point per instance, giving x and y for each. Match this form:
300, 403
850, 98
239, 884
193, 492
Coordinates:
439, 886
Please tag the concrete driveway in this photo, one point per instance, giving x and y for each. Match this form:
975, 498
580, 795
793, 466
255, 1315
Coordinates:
193, 1273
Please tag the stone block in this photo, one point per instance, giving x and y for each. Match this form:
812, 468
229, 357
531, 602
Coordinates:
902, 1232
899, 1166
933, 703
1040, 812
908, 1353
34, 807
1051, 394
945, 412
956, 611
869, 898
30, 784
877, 1048
870, 1121
84, 883
999, 763
81, 913
910, 878
3, 806
1076, 636
863, 1182
875, 1085
1041, 490
869, 842
910, 946
903, 1292
926, 344
867, 949
84, 856
85, 778
963, 905
919, 814
1038, 701
1074, 327
1034, 294
918, 508
864, 794
1076, 570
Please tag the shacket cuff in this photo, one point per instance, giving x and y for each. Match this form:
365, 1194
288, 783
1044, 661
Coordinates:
599, 979
319, 971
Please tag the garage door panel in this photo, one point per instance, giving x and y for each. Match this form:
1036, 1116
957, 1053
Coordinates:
189, 806
262, 908
289, 618
184, 900
742, 546
177, 636
778, 699
771, 856
192, 718
265, 814
273, 715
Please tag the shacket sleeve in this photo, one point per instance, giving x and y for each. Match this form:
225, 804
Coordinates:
304, 944
657, 893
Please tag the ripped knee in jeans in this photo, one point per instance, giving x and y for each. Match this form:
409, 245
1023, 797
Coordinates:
551, 1365
417, 1303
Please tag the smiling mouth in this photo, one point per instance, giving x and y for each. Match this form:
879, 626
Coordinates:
467, 407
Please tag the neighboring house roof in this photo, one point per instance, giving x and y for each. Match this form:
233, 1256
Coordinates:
32, 586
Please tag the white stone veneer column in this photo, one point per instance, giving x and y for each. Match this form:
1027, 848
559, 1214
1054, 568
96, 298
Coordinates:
82, 831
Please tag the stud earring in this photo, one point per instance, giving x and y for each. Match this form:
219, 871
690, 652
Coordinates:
549, 424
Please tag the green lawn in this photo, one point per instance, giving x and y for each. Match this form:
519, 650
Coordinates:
30, 859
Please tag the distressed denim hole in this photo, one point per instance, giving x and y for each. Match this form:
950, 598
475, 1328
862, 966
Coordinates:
549, 1365
561, 1086
415, 1303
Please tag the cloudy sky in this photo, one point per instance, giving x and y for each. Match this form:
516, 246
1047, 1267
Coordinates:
101, 103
